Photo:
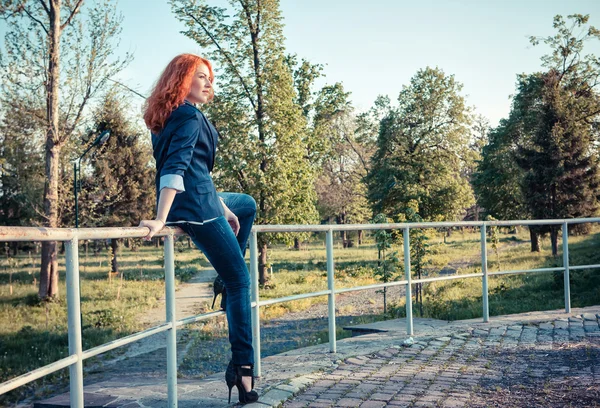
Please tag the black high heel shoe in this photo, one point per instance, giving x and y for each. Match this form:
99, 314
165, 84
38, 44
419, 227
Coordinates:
233, 376
219, 288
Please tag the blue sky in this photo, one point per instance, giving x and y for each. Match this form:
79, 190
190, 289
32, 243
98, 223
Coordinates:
374, 47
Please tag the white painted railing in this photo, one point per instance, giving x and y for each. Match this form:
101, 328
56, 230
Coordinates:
71, 237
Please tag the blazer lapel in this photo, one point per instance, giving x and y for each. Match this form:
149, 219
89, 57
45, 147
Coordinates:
214, 138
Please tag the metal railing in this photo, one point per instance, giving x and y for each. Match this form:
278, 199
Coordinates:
71, 237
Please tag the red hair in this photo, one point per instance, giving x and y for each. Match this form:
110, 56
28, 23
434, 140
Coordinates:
171, 89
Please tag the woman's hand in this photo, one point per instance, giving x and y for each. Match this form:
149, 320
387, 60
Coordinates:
154, 225
232, 219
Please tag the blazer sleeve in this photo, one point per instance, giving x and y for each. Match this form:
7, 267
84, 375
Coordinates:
180, 152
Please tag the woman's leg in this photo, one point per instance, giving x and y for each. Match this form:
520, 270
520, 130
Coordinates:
219, 244
244, 207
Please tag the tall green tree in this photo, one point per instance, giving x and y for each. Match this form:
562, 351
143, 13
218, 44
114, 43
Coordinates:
560, 113
422, 148
56, 59
497, 179
121, 176
263, 130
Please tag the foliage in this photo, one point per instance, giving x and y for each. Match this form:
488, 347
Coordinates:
422, 148
264, 139
55, 61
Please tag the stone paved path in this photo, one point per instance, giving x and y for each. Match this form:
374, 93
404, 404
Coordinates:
540, 359
554, 363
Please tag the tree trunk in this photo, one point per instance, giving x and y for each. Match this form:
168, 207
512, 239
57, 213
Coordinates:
554, 240
384, 300
263, 274
114, 244
360, 237
48, 271
49, 264
296, 244
535, 240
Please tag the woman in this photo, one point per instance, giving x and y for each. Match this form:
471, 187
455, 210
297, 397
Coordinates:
184, 144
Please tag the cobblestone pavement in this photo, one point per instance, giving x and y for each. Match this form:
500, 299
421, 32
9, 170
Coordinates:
539, 359
554, 363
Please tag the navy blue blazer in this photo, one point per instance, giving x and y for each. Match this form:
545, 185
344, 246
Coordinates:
185, 154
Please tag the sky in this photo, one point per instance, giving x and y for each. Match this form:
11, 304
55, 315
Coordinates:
374, 47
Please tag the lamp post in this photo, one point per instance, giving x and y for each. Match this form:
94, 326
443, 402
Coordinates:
100, 140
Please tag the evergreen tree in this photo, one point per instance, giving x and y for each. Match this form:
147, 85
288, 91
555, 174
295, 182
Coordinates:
560, 122
497, 178
118, 190
21, 169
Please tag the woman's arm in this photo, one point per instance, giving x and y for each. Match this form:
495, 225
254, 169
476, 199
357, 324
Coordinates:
165, 200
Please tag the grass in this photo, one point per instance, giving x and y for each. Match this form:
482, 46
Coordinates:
33, 333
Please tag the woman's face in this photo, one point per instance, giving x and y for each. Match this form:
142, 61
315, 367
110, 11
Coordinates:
200, 91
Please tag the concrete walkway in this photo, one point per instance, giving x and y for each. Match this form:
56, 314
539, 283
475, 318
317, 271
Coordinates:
541, 359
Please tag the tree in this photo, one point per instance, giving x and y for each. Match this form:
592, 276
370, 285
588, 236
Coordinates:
121, 178
263, 131
51, 50
560, 111
497, 178
340, 186
387, 262
421, 150
419, 248
21, 170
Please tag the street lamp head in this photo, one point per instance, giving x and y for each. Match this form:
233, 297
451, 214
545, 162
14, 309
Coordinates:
102, 138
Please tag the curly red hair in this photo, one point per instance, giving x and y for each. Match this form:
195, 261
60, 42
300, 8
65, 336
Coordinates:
171, 89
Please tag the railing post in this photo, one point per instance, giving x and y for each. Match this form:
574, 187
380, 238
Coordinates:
565, 237
255, 298
331, 288
484, 270
407, 275
172, 332
74, 322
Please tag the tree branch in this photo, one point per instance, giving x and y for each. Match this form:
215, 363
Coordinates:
248, 94
36, 20
45, 7
128, 88
75, 11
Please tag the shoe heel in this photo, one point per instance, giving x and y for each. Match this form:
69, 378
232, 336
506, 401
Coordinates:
230, 388
214, 300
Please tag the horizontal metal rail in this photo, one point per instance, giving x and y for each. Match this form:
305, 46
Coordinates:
123, 341
8, 234
73, 236
37, 373
574, 268
199, 318
446, 278
374, 286
291, 298
521, 271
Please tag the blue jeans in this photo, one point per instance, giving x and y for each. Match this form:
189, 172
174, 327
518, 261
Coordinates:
226, 252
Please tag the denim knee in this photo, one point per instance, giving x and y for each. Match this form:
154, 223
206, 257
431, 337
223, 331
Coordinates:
241, 282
